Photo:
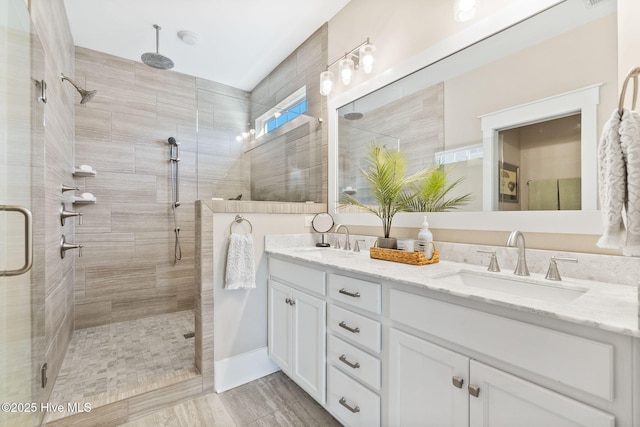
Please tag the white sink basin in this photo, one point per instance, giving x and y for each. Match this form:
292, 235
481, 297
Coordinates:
520, 287
327, 253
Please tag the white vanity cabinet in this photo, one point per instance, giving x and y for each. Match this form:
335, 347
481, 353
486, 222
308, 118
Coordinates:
354, 344
403, 355
297, 325
432, 386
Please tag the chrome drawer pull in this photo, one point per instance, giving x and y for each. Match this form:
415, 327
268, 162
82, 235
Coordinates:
474, 390
344, 360
344, 291
457, 381
344, 403
348, 328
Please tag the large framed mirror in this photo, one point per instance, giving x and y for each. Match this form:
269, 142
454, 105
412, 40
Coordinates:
516, 113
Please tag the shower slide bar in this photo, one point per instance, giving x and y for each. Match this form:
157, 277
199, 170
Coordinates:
174, 158
28, 240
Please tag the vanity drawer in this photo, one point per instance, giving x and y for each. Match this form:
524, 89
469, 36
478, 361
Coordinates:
302, 277
355, 292
582, 363
357, 363
352, 403
354, 327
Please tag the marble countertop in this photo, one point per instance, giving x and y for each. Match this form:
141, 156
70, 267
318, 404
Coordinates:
601, 305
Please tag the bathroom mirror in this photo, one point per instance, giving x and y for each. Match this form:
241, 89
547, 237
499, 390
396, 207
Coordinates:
444, 113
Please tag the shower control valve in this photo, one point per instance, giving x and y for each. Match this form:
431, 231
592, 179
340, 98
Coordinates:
64, 214
65, 246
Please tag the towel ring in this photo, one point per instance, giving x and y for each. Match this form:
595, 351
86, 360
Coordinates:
239, 220
633, 74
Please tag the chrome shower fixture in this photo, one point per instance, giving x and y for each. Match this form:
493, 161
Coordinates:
85, 94
155, 59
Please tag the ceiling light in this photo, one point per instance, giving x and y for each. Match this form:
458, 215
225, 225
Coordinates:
360, 56
464, 10
188, 37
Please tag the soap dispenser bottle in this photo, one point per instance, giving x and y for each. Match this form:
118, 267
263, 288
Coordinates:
424, 237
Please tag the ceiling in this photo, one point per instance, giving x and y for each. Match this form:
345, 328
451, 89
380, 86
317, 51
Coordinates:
239, 41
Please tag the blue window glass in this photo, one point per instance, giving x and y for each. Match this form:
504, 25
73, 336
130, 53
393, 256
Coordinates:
286, 116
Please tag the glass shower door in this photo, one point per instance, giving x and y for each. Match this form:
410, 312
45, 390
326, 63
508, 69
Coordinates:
21, 180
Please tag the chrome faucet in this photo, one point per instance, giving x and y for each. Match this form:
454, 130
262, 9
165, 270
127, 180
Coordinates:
516, 239
347, 244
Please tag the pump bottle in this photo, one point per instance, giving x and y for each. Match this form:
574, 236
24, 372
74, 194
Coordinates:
424, 237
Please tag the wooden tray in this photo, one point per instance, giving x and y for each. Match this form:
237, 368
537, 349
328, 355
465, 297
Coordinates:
413, 258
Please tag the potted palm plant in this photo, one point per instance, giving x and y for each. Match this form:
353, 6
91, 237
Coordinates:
395, 191
386, 173
431, 193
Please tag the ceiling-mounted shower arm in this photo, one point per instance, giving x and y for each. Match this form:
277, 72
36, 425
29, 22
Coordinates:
158, 28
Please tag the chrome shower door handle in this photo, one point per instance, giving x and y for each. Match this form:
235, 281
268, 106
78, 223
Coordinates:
28, 240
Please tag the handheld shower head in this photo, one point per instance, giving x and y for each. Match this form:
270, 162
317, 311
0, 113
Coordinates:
86, 95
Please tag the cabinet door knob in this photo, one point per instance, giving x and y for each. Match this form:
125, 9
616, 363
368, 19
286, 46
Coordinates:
344, 360
457, 381
474, 390
344, 291
343, 325
344, 403
292, 302
288, 301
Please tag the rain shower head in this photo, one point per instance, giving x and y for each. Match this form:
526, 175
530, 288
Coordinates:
353, 116
85, 94
155, 59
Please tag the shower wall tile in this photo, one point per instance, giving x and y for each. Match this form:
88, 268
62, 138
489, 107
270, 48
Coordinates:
133, 129
52, 321
92, 125
92, 312
142, 303
104, 156
163, 81
105, 280
276, 173
112, 187
115, 70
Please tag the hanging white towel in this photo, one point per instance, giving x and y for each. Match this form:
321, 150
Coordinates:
611, 184
630, 143
241, 265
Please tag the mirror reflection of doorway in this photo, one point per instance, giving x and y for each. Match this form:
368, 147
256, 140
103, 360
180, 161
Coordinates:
540, 165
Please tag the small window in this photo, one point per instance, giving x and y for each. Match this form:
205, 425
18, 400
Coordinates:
281, 118
292, 107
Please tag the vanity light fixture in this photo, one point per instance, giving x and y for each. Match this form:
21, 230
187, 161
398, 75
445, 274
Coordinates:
361, 56
464, 10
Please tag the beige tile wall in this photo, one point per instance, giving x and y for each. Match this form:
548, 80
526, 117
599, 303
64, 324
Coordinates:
127, 269
52, 291
293, 165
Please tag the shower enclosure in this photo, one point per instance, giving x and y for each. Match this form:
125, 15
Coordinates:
21, 187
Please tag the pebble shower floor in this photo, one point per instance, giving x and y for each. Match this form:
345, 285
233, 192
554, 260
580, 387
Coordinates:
121, 356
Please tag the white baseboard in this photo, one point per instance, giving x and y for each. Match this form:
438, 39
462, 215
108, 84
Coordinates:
241, 369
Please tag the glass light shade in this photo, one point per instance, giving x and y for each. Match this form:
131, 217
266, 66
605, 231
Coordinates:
346, 67
464, 10
326, 82
367, 55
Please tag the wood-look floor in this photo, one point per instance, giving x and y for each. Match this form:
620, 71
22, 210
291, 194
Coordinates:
274, 400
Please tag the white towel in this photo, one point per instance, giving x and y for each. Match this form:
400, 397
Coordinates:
630, 143
611, 183
619, 182
241, 265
